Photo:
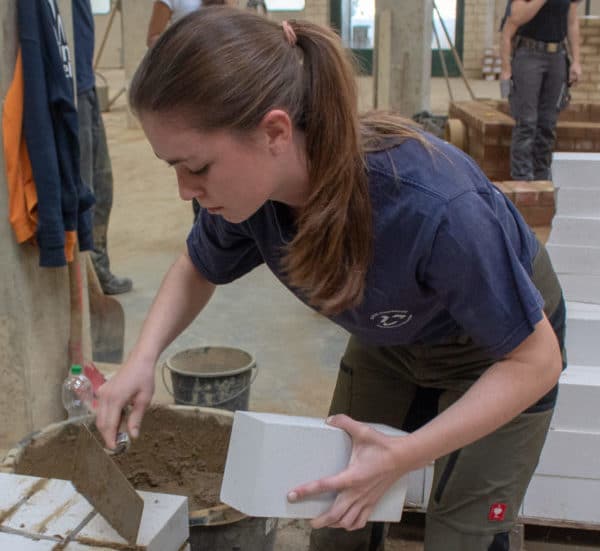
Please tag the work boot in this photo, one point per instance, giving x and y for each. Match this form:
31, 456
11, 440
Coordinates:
113, 285
110, 283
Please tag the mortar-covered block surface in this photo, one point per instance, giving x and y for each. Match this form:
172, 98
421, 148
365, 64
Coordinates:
38, 513
270, 454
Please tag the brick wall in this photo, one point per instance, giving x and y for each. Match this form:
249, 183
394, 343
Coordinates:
534, 200
478, 33
317, 11
589, 88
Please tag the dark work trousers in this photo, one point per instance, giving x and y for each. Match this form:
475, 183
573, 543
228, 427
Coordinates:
538, 79
477, 490
96, 172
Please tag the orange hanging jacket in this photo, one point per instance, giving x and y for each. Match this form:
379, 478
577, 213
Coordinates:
22, 196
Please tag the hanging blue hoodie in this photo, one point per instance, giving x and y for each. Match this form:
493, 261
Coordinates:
51, 131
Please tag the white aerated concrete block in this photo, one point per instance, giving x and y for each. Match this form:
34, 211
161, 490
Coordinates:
571, 454
583, 334
580, 288
554, 498
52, 511
271, 454
15, 542
575, 259
578, 202
415, 492
566, 484
164, 526
575, 230
578, 401
578, 170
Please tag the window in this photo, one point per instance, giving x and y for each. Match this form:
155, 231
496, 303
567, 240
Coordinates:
358, 23
285, 5
100, 6
355, 21
448, 12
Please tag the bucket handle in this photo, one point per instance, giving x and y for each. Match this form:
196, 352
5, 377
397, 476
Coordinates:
246, 387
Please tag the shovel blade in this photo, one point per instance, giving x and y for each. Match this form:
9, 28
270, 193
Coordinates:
107, 321
99, 480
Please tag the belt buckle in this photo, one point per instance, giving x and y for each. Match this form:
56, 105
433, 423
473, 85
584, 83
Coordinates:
552, 47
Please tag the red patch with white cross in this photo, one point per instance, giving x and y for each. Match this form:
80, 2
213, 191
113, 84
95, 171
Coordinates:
497, 511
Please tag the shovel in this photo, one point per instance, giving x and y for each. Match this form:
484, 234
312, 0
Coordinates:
99, 480
107, 320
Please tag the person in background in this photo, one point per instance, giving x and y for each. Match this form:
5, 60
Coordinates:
96, 169
165, 12
536, 38
170, 11
456, 317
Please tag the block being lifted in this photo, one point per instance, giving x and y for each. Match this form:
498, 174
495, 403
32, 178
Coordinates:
270, 454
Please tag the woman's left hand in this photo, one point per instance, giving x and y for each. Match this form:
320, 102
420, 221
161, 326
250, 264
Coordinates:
371, 471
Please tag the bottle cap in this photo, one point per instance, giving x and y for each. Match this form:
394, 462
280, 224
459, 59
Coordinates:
76, 369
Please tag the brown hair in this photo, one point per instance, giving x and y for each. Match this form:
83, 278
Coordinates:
227, 68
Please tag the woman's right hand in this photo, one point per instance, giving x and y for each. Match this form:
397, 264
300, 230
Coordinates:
182, 295
132, 385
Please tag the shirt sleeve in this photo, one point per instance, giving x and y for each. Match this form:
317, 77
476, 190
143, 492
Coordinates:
222, 251
478, 275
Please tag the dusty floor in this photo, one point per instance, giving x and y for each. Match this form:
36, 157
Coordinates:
297, 351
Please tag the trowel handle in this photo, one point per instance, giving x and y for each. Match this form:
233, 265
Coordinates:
123, 439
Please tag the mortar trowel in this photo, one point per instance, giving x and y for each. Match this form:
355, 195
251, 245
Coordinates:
101, 482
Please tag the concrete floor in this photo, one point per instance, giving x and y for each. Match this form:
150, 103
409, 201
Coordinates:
297, 351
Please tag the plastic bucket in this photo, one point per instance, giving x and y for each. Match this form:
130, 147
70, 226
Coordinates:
211, 376
219, 527
225, 529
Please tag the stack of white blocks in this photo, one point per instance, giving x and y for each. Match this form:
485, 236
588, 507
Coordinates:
38, 514
566, 483
574, 243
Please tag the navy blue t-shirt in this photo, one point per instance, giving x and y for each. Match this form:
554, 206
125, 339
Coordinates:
83, 32
452, 255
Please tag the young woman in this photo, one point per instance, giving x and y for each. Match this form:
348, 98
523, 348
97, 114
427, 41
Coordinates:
393, 234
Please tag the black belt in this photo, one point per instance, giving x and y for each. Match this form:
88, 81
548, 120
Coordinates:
539, 45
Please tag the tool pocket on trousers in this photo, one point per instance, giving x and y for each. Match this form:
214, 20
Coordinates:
445, 476
342, 395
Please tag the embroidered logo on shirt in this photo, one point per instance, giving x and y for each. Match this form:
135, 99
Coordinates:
391, 318
497, 511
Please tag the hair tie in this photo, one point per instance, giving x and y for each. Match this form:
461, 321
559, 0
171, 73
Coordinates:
289, 33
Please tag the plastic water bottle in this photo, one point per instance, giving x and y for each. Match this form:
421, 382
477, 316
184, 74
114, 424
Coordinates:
77, 393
